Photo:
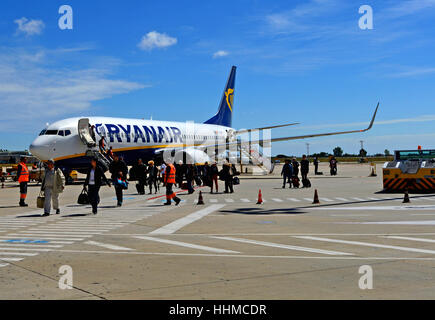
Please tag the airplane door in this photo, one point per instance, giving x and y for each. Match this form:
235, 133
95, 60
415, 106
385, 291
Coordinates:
84, 132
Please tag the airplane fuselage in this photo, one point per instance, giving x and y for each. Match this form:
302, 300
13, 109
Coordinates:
130, 138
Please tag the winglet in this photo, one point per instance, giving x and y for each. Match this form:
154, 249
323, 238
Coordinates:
373, 119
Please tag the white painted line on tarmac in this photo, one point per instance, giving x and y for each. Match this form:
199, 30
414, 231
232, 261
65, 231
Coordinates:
108, 246
187, 245
358, 199
229, 200
308, 199
43, 235
33, 245
69, 229
294, 199
277, 200
375, 199
3, 265
341, 199
326, 199
284, 246
38, 237
367, 244
245, 200
24, 254
25, 249
213, 200
11, 259
69, 233
388, 208
410, 239
243, 256
182, 222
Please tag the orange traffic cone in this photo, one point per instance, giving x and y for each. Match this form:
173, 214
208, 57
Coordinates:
200, 200
260, 197
406, 197
316, 197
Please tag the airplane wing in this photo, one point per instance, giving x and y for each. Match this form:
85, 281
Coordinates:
301, 136
261, 142
329, 133
238, 132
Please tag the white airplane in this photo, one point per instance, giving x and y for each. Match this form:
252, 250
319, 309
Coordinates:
72, 141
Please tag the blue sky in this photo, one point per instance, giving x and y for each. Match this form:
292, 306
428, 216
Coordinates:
304, 61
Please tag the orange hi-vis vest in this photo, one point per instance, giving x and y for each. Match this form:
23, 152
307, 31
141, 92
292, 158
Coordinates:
24, 175
171, 177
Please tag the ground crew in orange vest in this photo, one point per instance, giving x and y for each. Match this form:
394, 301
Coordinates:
169, 180
23, 179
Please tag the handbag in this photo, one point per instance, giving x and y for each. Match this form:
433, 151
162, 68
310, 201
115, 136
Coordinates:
83, 197
122, 183
40, 200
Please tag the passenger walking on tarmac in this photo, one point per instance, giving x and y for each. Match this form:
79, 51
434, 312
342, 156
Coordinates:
189, 178
206, 175
53, 183
305, 167
316, 165
169, 180
295, 165
287, 173
140, 172
152, 176
180, 171
118, 170
23, 178
94, 178
333, 166
214, 172
227, 173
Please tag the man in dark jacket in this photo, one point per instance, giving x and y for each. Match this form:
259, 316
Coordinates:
287, 173
118, 170
140, 174
94, 178
305, 167
189, 178
152, 176
227, 176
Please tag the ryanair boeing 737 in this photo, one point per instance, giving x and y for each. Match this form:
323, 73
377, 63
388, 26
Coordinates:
72, 141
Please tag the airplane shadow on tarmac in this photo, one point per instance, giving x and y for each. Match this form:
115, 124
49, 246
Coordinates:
262, 211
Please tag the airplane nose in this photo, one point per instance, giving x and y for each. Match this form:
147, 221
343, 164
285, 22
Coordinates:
38, 150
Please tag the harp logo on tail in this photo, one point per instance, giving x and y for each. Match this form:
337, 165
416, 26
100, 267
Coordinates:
229, 94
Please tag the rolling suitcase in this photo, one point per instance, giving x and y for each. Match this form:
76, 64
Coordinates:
306, 183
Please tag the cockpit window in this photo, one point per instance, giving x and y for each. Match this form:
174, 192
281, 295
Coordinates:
61, 133
67, 132
51, 132
42, 132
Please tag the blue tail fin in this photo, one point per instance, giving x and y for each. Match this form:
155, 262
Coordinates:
224, 115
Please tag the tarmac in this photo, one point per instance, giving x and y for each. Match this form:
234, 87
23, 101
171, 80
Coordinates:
228, 248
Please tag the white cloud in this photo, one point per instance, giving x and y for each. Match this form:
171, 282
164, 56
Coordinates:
155, 39
220, 54
35, 90
29, 27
